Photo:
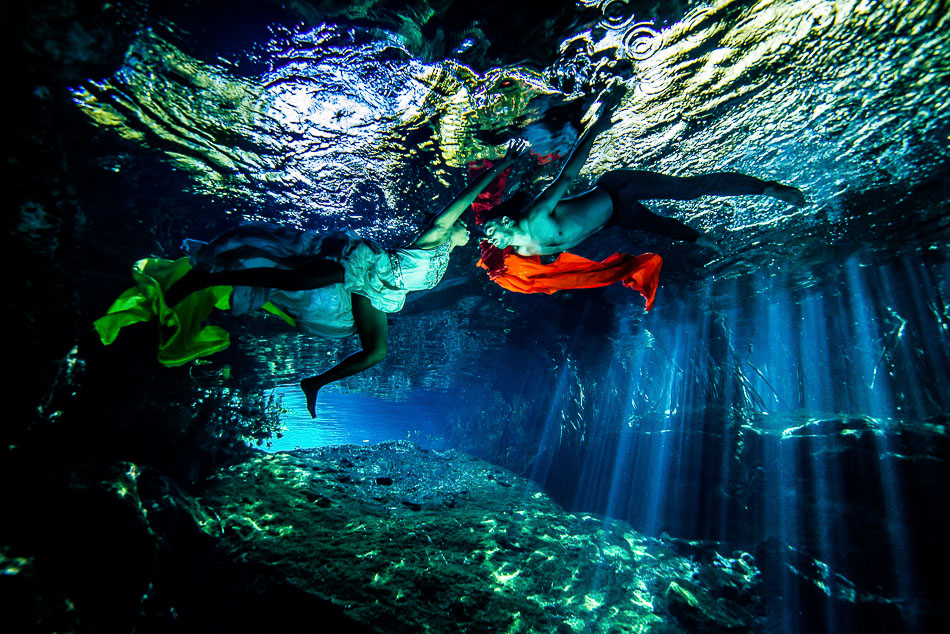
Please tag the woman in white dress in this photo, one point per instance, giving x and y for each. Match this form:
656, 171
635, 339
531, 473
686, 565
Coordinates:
332, 284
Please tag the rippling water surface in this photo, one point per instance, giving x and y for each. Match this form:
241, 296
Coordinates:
348, 128
353, 126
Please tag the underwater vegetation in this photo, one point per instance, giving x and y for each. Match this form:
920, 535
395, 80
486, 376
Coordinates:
765, 451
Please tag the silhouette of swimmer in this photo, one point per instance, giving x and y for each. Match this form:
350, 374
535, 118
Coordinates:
551, 224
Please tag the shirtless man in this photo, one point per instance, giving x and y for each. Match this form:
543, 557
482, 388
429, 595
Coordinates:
551, 224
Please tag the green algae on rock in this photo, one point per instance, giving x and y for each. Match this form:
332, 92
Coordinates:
406, 540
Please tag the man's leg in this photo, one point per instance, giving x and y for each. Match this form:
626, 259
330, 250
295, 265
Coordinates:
645, 185
633, 215
313, 273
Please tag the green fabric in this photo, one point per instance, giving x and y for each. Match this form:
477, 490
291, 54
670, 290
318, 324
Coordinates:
273, 309
181, 336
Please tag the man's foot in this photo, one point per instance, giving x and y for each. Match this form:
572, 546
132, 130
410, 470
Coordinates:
310, 388
791, 195
705, 241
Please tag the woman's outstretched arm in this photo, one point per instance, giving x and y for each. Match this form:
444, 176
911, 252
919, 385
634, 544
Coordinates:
373, 329
441, 226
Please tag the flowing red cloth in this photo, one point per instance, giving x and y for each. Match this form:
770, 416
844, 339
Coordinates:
491, 195
526, 274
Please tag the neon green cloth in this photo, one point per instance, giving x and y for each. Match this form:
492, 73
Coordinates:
181, 336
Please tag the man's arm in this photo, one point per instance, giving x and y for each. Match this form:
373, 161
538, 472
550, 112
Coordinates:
553, 193
442, 224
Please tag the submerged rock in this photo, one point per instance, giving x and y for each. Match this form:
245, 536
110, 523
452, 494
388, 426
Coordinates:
385, 538
404, 539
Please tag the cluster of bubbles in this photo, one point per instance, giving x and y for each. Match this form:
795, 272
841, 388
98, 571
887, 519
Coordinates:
638, 40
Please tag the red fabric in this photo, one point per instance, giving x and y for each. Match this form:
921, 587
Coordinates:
491, 195
526, 274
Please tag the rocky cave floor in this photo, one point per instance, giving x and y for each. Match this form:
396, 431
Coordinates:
384, 538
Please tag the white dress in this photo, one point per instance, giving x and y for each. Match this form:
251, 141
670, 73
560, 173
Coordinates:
383, 277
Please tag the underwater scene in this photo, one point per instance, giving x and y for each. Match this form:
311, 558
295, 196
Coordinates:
433, 316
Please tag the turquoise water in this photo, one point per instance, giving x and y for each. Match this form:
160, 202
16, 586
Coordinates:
356, 419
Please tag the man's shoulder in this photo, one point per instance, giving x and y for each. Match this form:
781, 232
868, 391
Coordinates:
540, 210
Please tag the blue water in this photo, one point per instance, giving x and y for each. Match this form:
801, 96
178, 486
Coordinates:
348, 418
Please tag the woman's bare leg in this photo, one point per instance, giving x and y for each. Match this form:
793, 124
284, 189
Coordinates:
373, 330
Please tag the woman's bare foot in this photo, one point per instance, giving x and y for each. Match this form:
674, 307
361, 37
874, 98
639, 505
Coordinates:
310, 388
791, 195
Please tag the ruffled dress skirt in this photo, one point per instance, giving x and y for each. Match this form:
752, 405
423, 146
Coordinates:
326, 311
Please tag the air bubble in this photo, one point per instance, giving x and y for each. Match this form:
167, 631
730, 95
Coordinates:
641, 41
